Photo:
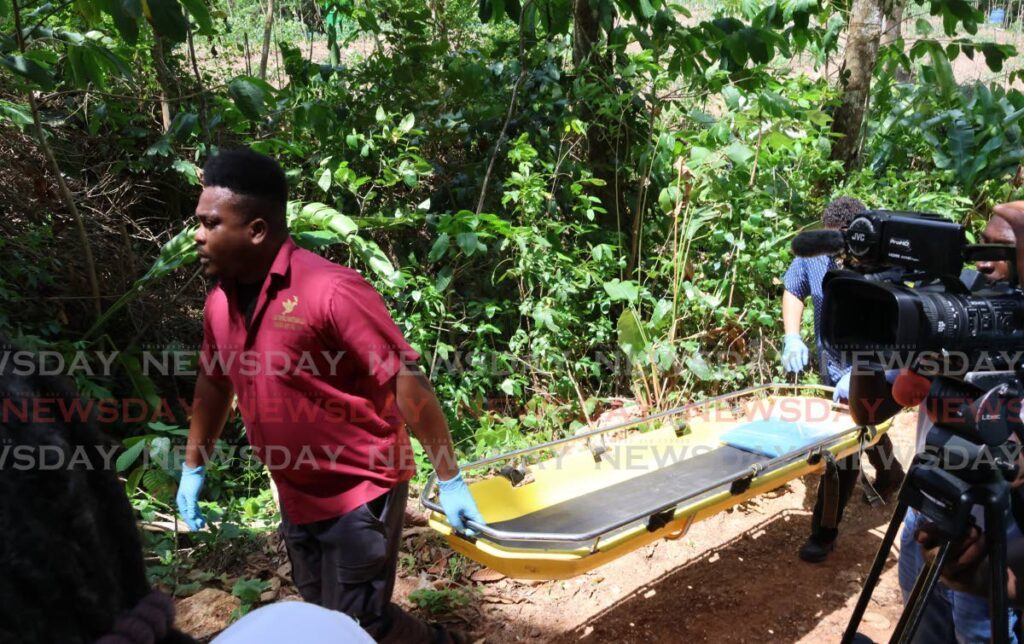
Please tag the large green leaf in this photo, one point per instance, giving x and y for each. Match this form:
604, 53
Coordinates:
318, 216
113, 63
130, 8
131, 453
440, 247
555, 15
198, 10
375, 258
631, 335
86, 68
168, 19
943, 72
961, 140
513, 10
739, 153
126, 15
622, 290
89, 10
995, 54
250, 95
179, 251
183, 124
16, 114
28, 69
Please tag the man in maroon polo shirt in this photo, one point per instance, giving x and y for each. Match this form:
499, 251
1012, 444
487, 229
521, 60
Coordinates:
325, 382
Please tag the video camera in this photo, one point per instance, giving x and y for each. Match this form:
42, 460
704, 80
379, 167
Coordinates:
902, 298
903, 292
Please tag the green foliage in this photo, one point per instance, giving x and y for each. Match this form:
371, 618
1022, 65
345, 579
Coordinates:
437, 602
970, 131
248, 591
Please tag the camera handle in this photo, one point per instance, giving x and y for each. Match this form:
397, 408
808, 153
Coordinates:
946, 500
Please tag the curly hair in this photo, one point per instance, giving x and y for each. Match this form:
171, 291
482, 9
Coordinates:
840, 212
73, 565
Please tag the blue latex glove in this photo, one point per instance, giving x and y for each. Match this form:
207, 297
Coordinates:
794, 353
842, 388
192, 479
458, 504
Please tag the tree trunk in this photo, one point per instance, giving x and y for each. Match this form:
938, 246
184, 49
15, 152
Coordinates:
164, 80
864, 35
586, 31
602, 155
268, 25
893, 29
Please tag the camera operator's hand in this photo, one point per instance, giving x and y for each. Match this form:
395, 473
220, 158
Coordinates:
960, 570
1018, 481
192, 479
966, 568
842, 391
1013, 213
794, 353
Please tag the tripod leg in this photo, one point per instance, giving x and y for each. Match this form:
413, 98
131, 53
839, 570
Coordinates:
995, 535
910, 619
876, 571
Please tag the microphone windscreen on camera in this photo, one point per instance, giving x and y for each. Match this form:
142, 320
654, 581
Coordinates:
812, 243
910, 389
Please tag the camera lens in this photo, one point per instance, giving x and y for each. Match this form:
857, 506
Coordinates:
892, 318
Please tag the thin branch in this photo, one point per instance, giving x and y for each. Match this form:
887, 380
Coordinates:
501, 140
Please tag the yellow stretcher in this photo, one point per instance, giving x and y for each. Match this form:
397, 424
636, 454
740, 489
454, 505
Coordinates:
583, 501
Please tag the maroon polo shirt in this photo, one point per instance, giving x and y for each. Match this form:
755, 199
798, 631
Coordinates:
314, 371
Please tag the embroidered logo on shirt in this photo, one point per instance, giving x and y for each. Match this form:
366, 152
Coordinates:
287, 321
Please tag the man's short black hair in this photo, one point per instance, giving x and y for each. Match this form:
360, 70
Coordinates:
841, 212
255, 177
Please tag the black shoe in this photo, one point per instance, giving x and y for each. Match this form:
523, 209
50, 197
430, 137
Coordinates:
815, 550
444, 635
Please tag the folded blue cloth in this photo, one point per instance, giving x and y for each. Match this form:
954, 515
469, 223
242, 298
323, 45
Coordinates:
773, 437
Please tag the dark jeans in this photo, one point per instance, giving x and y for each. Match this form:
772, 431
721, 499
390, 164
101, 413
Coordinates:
881, 457
348, 564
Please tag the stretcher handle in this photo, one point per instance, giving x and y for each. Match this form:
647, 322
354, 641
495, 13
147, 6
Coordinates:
495, 534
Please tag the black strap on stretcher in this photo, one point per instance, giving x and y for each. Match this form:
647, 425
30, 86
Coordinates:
830, 492
830, 485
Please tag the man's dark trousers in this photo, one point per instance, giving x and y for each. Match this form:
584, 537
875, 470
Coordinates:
881, 456
348, 564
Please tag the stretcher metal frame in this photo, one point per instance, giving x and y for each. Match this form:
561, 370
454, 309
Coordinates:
569, 548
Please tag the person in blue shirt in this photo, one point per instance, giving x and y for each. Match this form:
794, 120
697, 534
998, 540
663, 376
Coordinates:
804, 278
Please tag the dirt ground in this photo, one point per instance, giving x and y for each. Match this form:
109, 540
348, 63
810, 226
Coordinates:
733, 578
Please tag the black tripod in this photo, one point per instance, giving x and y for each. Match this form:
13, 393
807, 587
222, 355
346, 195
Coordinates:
947, 500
